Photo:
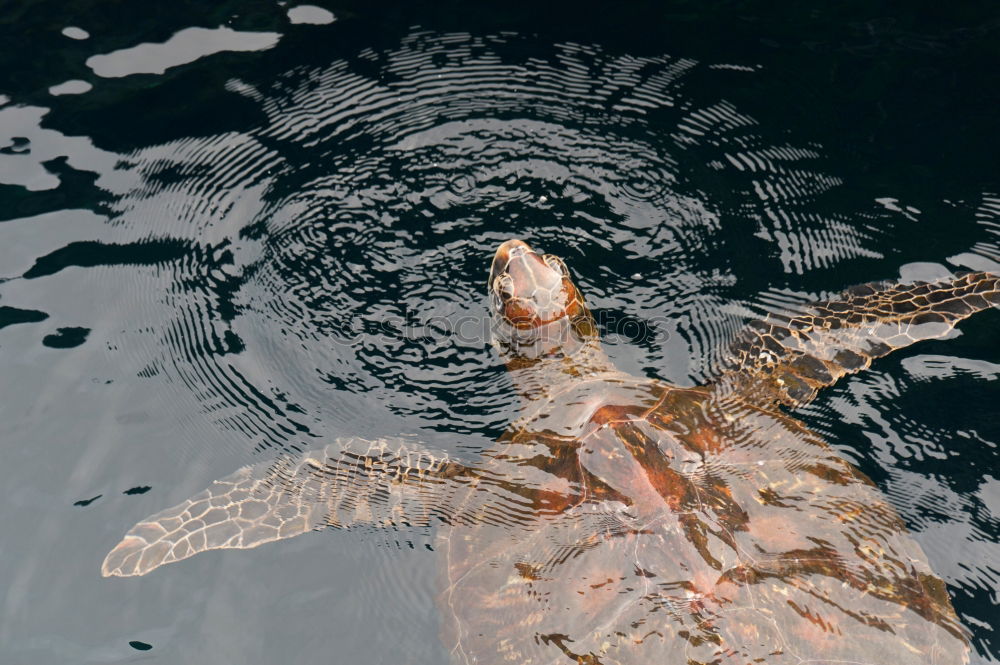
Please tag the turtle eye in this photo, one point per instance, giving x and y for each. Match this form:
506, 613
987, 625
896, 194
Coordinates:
504, 287
554, 262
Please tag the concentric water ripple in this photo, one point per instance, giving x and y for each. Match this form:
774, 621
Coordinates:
338, 253
322, 273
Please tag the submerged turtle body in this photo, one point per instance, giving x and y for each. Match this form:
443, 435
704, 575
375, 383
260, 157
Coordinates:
625, 521
702, 532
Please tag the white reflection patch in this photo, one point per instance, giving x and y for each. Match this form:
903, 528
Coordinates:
183, 47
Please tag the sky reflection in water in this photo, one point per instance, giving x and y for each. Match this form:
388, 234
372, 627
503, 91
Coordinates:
235, 246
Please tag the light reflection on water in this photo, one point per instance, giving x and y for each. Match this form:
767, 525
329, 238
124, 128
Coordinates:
246, 278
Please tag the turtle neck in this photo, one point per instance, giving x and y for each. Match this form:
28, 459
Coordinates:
576, 357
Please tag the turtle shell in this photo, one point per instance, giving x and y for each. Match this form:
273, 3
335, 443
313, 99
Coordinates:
698, 529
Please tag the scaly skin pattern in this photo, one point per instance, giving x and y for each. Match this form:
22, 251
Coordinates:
621, 520
789, 357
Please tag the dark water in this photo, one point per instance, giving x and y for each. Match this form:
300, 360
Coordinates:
229, 242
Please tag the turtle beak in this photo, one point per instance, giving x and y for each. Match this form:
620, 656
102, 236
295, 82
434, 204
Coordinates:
505, 252
505, 248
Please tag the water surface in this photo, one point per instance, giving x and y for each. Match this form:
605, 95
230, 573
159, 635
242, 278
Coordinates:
233, 232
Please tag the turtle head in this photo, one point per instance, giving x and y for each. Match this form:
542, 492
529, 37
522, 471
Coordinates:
536, 308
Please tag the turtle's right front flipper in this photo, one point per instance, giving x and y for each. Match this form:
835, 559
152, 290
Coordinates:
349, 482
788, 357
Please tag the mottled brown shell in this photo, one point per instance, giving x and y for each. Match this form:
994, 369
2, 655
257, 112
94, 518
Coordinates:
699, 530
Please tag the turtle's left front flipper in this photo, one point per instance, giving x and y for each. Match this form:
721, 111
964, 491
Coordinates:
354, 481
788, 358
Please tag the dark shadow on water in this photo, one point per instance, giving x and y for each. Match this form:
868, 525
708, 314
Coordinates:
12, 315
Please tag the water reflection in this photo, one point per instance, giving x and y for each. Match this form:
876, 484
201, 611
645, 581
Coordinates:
272, 278
182, 48
377, 182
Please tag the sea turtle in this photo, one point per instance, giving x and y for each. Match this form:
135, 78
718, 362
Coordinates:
624, 520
